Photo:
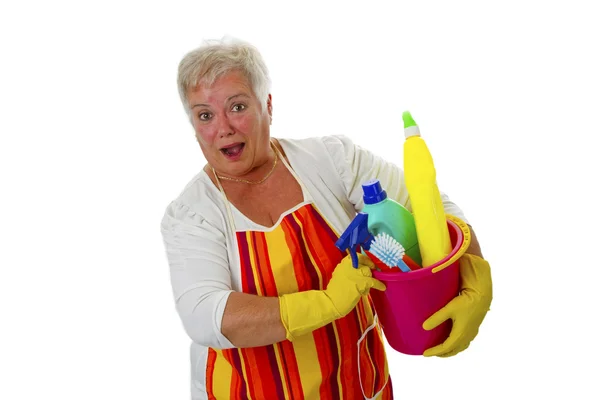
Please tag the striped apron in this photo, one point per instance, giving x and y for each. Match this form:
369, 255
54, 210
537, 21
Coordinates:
342, 360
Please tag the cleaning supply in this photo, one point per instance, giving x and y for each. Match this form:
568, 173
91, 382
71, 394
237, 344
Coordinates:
356, 236
389, 216
409, 261
303, 312
388, 250
467, 310
379, 265
412, 266
427, 208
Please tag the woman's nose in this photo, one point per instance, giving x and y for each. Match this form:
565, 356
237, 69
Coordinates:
225, 128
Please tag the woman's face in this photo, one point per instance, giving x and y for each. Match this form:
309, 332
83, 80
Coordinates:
231, 127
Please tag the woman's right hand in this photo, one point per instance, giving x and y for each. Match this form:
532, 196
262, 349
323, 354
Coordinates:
349, 284
303, 312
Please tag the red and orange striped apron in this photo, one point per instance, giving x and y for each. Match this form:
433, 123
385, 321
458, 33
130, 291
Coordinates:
343, 360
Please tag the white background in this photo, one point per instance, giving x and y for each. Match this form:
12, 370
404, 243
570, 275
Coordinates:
95, 144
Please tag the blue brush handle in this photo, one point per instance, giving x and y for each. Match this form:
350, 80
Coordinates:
402, 265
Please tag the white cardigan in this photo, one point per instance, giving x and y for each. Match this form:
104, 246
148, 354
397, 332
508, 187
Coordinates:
202, 250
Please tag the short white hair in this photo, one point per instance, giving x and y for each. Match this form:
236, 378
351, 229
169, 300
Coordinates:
215, 58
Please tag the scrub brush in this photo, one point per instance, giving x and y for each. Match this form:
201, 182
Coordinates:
390, 252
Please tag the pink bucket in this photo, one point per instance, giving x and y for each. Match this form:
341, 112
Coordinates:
412, 297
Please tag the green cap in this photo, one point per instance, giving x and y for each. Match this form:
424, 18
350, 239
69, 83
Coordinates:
410, 126
408, 119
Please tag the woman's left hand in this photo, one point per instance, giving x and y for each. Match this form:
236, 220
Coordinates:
467, 310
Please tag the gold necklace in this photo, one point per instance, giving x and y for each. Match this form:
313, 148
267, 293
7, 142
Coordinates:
247, 181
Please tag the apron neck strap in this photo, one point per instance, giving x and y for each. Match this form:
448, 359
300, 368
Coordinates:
230, 220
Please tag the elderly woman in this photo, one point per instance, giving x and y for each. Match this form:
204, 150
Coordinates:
273, 308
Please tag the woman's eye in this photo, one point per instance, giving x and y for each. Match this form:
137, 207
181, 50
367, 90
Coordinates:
238, 107
204, 116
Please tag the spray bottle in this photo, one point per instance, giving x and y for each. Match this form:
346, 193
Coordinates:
425, 199
356, 237
389, 216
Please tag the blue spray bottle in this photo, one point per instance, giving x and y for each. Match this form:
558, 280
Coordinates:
356, 235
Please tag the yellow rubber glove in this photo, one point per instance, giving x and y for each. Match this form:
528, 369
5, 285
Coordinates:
467, 310
303, 312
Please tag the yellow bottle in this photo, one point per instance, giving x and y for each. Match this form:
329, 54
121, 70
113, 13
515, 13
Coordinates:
425, 199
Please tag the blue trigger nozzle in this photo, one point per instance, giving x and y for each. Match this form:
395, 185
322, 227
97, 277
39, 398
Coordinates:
357, 234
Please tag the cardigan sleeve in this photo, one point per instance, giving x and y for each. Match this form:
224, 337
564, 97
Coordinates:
356, 165
200, 273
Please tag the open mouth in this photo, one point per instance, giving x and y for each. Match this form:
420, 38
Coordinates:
233, 151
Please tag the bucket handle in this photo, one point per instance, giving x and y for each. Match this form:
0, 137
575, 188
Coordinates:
463, 247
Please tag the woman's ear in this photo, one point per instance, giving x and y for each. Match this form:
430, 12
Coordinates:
270, 107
